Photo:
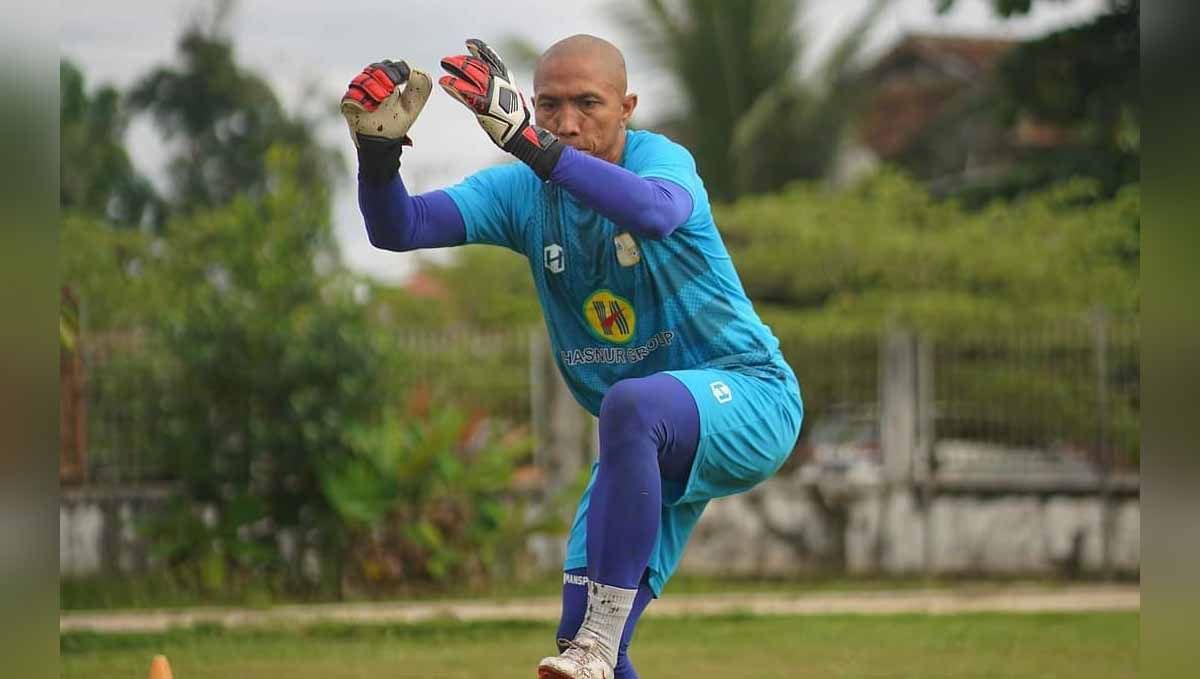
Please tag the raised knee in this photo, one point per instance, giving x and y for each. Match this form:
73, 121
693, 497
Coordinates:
625, 407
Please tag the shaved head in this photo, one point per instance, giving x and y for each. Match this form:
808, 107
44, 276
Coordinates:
579, 95
602, 55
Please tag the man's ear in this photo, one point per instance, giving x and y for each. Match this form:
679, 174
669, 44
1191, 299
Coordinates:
627, 105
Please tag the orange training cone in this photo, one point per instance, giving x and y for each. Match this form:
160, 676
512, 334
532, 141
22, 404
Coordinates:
160, 668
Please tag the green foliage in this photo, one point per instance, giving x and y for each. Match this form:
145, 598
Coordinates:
490, 288
228, 350
398, 307
224, 119
746, 114
1007, 294
885, 251
68, 323
96, 175
431, 500
475, 368
232, 343
1083, 82
470, 345
105, 268
273, 363
1037, 386
1086, 80
1083, 74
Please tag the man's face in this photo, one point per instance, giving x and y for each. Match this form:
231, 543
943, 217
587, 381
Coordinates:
583, 105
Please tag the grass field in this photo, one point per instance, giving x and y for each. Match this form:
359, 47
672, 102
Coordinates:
158, 591
993, 646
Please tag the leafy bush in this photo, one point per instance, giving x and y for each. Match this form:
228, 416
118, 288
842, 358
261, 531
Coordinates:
1008, 294
883, 252
431, 500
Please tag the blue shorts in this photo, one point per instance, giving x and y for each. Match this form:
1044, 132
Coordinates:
748, 427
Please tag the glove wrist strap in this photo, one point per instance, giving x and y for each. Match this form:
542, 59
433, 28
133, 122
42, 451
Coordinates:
542, 158
378, 158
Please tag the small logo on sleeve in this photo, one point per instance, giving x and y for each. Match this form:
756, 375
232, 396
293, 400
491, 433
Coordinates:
721, 392
628, 253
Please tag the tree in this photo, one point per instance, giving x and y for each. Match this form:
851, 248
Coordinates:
96, 176
244, 362
751, 123
272, 366
1082, 85
1086, 81
1003, 8
224, 119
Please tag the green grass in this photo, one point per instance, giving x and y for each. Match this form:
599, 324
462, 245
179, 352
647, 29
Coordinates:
975, 646
160, 591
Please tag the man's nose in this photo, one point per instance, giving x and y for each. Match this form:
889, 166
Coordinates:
568, 122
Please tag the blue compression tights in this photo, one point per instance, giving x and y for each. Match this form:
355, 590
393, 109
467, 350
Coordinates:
649, 429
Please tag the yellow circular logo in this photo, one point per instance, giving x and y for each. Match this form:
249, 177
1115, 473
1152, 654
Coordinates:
610, 317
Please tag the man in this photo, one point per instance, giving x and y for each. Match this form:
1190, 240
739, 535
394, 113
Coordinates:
648, 320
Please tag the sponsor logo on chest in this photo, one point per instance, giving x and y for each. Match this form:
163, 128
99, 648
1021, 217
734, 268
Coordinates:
610, 317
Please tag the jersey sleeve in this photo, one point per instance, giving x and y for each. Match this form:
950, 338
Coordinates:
660, 158
492, 203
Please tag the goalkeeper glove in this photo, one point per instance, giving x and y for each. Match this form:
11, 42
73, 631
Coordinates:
379, 114
484, 84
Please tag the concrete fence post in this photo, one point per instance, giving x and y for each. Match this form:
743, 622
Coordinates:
562, 429
1104, 450
906, 425
898, 390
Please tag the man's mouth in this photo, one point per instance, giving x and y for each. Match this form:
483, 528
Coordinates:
579, 145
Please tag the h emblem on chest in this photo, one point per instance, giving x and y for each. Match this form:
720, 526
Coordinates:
553, 258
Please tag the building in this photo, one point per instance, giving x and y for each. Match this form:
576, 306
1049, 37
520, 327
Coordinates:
935, 109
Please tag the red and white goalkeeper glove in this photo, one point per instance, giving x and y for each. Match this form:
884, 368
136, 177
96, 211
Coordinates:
380, 113
484, 84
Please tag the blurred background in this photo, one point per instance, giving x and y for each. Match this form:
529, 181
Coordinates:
935, 204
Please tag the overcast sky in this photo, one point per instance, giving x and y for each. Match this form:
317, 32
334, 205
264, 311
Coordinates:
314, 47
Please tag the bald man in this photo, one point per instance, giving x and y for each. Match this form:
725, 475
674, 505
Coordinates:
650, 326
